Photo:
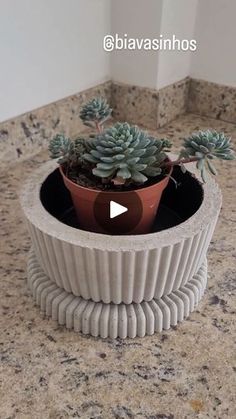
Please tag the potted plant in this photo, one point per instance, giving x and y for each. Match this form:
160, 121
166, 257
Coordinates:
121, 285
123, 158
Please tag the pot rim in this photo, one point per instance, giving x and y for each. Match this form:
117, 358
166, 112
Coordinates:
68, 180
40, 217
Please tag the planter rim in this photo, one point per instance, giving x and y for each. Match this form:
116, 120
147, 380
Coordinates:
108, 192
49, 225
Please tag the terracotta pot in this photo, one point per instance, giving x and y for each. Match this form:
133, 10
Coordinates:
142, 203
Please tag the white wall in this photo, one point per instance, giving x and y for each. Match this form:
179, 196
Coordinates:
137, 19
150, 19
215, 59
50, 49
178, 18
54, 48
210, 22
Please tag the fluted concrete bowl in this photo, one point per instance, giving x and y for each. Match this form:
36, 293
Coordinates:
118, 269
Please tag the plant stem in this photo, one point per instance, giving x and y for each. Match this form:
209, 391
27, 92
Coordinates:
98, 127
180, 161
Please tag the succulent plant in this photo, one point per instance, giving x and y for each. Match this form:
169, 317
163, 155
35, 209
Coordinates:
95, 112
66, 150
126, 153
61, 148
205, 146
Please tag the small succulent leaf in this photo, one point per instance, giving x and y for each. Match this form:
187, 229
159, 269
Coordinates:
138, 177
108, 138
107, 159
203, 174
145, 142
148, 160
211, 168
123, 173
204, 149
150, 151
228, 157
96, 154
140, 167
133, 160
119, 157
117, 149
120, 142
104, 151
195, 146
103, 173
90, 158
200, 164
105, 166
106, 143
160, 158
122, 165
139, 152
152, 171
129, 152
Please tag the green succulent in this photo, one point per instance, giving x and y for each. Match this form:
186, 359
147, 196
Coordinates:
127, 153
206, 146
95, 111
124, 154
66, 150
61, 148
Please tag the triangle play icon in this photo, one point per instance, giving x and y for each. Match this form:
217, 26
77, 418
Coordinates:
116, 209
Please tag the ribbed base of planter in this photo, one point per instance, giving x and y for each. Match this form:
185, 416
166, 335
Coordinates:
111, 320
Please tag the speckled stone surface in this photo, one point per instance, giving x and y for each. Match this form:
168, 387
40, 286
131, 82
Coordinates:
187, 372
213, 100
149, 107
135, 104
173, 101
27, 134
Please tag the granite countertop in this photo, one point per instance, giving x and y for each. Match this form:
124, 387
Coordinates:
186, 372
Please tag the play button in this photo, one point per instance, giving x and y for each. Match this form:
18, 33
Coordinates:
116, 209
118, 212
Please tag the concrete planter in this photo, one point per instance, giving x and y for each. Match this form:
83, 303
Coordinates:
114, 320
128, 270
